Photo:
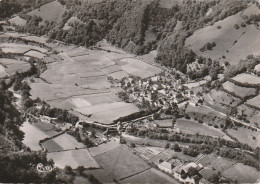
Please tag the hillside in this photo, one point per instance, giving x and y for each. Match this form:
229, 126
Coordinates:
230, 36
51, 12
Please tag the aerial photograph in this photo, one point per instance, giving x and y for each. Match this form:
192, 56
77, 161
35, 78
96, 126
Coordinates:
130, 91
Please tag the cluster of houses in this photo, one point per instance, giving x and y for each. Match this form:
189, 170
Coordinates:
158, 91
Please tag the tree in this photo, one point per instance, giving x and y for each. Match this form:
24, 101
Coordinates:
68, 170
80, 169
177, 148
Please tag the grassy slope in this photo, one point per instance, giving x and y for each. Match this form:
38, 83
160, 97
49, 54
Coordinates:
52, 12
225, 38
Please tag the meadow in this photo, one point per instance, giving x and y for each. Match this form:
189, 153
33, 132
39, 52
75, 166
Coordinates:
255, 102
245, 78
192, 127
78, 81
17, 21
239, 91
73, 158
242, 173
121, 162
61, 143
151, 176
30, 139
246, 136
229, 41
105, 147
51, 11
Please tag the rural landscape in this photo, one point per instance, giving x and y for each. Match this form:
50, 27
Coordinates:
130, 91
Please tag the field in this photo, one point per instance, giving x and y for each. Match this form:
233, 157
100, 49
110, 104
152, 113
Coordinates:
121, 163
247, 79
35, 54
105, 147
137, 68
30, 139
257, 68
254, 102
229, 41
3, 73
205, 114
148, 152
151, 176
73, 158
252, 10
192, 127
47, 128
242, 92
163, 123
20, 48
220, 100
253, 115
61, 143
170, 3
242, 173
246, 136
37, 39
51, 12
78, 81
17, 21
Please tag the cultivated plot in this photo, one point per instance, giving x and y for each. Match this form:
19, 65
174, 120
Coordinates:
239, 91
30, 139
73, 158
121, 162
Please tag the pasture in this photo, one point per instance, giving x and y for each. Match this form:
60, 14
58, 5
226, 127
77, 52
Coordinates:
239, 91
135, 67
242, 173
220, 100
192, 127
164, 123
51, 12
246, 136
3, 73
108, 116
245, 78
253, 115
73, 158
151, 176
257, 68
148, 152
205, 114
229, 41
78, 81
103, 148
61, 143
30, 139
38, 39
35, 54
255, 102
170, 3
17, 21
121, 162
20, 48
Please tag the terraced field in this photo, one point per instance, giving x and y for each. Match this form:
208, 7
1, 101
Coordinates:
239, 91
192, 127
247, 79
246, 136
73, 158
78, 81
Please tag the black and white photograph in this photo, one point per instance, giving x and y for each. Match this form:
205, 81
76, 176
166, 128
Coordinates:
130, 91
